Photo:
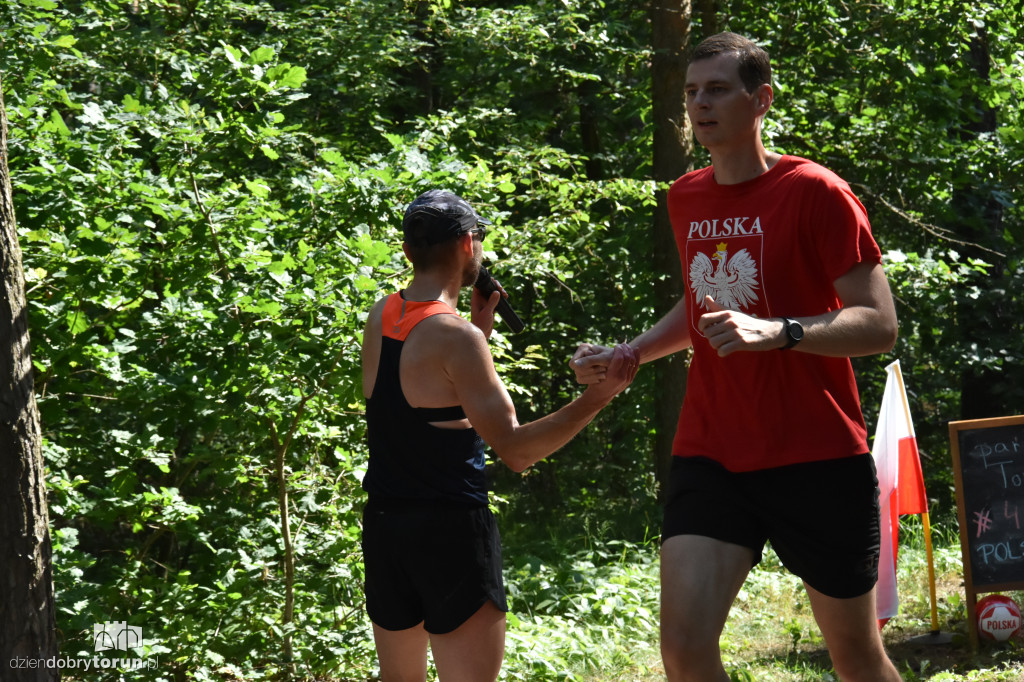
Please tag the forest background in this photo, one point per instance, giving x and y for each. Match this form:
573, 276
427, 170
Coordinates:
208, 198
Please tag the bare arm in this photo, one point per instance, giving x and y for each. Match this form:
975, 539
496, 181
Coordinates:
489, 408
670, 334
371, 347
865, 325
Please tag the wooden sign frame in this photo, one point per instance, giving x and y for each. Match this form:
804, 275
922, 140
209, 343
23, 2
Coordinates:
971, 588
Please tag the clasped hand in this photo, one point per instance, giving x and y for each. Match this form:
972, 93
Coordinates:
604, 370
728, 331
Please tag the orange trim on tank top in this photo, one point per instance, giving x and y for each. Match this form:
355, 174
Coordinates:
400, 316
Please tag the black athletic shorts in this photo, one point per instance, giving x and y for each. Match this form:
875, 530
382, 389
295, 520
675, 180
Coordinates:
822, 518
435, 566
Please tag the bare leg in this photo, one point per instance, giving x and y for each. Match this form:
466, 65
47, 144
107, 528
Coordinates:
402, 653
700, 578
850, 629
472, 652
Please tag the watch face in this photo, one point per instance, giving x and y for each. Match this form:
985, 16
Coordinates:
794, 332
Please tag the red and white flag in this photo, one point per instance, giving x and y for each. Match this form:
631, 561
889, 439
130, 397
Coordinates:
900, 483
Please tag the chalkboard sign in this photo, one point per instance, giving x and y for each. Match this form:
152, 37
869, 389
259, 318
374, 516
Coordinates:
988, 464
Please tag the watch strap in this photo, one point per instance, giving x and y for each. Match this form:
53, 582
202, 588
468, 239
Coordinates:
792, 339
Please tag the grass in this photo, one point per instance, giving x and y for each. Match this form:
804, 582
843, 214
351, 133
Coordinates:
593, 618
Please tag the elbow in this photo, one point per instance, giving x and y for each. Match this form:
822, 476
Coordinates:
888, 335
517, 462
515, 458
881, 334
883, 342
890, 343
518, 467
881, 338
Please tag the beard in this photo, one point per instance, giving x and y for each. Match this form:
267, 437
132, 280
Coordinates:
470, 273
472, 269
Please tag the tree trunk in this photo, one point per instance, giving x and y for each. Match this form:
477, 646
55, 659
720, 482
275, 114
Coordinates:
708, 10
423, 64
673, 156
591, 137
27, 616
982, 224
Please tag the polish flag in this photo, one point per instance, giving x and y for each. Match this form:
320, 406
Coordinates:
900, 483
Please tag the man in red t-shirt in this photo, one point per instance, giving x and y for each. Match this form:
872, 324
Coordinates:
784, 284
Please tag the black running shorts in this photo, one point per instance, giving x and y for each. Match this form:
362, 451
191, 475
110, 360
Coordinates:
822, 518
430, 566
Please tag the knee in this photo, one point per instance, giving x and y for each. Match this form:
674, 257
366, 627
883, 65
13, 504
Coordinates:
689, 656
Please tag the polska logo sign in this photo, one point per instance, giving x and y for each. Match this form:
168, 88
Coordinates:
998, 617
116, 635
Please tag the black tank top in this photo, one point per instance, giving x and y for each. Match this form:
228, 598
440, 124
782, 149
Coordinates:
411, 462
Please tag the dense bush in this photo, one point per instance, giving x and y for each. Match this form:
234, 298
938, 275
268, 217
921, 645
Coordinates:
208, 197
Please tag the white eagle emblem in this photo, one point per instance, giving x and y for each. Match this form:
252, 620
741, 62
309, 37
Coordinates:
733, 283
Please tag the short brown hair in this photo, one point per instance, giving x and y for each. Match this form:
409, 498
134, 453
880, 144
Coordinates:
755, 64
431, 256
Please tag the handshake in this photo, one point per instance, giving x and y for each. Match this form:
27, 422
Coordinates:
606, 371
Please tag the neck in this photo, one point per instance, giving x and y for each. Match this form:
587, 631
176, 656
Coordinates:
434, 286
733, 166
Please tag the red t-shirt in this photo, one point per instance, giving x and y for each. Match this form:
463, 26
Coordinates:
769, 247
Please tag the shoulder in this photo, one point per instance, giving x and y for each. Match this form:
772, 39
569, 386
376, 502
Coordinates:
452, 342
811, 172
696, 177
455, 332
447, 331
378, 307
817, 185
699, 182
373, 319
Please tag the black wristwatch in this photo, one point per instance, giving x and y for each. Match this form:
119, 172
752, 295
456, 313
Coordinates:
794, 332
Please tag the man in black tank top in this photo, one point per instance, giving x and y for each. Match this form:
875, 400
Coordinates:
431, 548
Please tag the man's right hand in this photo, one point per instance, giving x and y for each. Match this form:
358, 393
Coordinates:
617, 375
481, 309
590, 363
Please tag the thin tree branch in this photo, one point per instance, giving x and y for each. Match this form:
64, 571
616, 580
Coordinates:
934, 230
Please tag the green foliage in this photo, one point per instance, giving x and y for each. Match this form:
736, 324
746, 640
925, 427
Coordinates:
208, 198
930, 291
592, 615
591, 612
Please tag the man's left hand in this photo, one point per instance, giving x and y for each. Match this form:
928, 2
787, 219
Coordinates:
729, 331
